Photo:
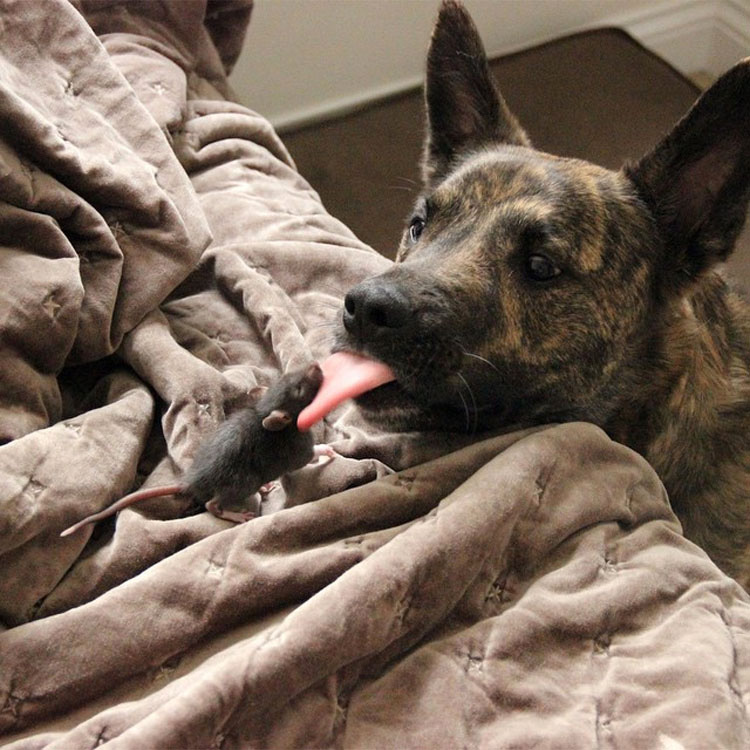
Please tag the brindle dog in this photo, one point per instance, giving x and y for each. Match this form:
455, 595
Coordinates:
531, 288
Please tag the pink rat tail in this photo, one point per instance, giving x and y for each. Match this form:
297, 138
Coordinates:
124, 502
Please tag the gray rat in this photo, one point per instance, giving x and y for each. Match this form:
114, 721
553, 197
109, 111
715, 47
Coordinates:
251, 448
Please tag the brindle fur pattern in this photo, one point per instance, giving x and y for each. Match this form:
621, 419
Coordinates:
638, 333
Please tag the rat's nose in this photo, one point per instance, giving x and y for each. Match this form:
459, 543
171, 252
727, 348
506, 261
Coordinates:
376, 307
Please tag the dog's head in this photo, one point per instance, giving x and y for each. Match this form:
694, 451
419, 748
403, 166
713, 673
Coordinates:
527, 286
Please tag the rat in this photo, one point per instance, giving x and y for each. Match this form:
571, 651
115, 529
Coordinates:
250, 449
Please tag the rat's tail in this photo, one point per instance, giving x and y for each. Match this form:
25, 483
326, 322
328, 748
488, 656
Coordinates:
124, 502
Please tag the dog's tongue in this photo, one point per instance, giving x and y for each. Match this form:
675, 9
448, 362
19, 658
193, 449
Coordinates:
345, 375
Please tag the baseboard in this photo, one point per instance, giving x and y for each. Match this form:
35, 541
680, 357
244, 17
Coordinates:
679, 31
692, 35
331, 108
732, 40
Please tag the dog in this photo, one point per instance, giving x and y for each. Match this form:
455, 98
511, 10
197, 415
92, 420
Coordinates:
530, 288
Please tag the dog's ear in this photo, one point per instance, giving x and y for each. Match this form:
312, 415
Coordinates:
464, 108
697, 180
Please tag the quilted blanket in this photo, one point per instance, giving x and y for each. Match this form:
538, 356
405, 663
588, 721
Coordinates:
160, 257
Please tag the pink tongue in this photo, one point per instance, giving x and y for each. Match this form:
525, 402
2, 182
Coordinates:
345, 375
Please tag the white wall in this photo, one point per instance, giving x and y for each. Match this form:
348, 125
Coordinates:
307, 59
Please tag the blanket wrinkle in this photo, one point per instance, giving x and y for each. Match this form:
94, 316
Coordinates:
278, 324
195, 391
301, 643
88, 154
246, 125
176, 32
46, 471
512, 590
145, 595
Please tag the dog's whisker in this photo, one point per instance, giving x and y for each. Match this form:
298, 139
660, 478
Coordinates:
331, 325
323, 331
466, 409
324, 319
470, 428
330, 304
326, 329
324, 343
475, 356
483, 359
427, 364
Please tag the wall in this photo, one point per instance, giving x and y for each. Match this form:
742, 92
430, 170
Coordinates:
305, 60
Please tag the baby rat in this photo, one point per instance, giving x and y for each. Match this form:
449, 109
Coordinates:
248, 450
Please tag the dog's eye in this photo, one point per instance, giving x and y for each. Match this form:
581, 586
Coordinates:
541, 268
416, 227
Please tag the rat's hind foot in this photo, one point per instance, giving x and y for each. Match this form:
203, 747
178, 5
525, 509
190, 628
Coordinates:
235, 516
322, 450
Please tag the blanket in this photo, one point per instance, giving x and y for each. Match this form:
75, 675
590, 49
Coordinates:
161, 258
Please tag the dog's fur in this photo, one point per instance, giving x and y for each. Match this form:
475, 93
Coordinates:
531, 288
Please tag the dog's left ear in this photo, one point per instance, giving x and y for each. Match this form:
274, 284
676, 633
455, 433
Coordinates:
464, 108
277, 420
697, 180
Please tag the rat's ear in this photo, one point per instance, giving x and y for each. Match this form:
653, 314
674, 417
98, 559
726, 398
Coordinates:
277, 420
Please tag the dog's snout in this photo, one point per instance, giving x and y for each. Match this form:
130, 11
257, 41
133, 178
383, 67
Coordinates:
375, 308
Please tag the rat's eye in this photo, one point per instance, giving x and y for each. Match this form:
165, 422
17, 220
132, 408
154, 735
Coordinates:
416, 227
540, 268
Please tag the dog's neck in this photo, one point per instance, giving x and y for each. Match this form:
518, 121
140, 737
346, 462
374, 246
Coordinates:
690, 418
683, 376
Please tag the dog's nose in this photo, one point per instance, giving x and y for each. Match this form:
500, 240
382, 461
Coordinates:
375, 308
